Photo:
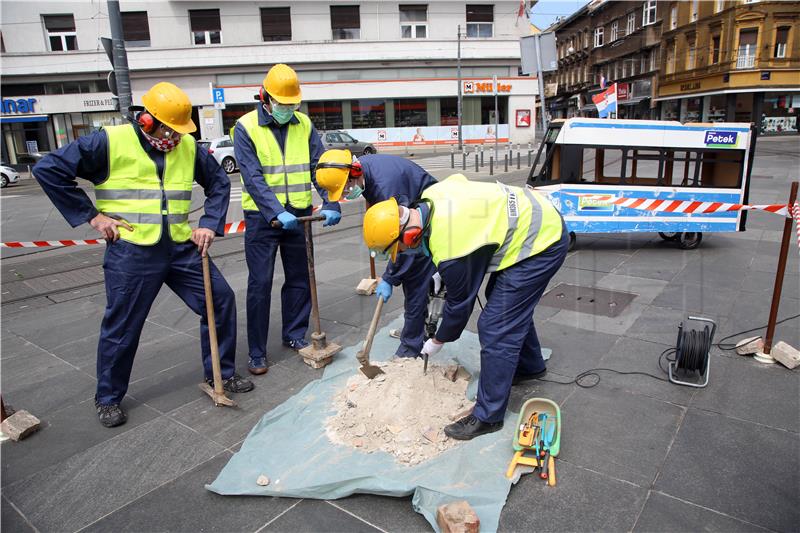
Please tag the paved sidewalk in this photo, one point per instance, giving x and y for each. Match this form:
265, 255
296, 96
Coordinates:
637, 454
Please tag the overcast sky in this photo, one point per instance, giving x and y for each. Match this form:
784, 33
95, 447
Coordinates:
545, 12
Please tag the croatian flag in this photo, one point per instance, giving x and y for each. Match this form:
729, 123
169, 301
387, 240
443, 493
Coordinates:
606, 101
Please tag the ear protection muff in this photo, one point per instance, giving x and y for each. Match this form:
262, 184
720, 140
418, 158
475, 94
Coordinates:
355, 169
146, 121
411, 236
262, 95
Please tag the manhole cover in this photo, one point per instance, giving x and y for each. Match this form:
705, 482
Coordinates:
587, 300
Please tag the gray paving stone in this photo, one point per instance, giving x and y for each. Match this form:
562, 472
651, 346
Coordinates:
387, 513
50, 394
617, 325
596, 260
724, 464
185, 505
64, 434
751, 310
229, 426
11, 520
736, 389
315, 515
61, 324
657, 263
575, 350
665, 513
634, 355
697, 299
172, 388
582, 500
576, 276
658, 324
724, 272
91, 484
623, 435
645, 289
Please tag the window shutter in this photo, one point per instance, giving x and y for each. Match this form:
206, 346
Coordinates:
276, 24
345, 17
480, 13
135, 26
204, 19
58, 23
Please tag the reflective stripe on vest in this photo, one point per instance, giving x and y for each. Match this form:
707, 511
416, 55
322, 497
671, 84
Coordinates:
287, 174
133, 191
468, 216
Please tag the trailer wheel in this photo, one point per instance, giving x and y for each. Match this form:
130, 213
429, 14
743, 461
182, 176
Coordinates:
572, 240
690, 240
669, 236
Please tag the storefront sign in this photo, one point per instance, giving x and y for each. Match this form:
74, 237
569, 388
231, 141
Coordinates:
720, 139
23, 105
99, 102
691, 86
485, 87
623, 91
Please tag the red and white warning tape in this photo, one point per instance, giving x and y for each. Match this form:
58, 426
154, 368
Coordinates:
682, 206
796, 216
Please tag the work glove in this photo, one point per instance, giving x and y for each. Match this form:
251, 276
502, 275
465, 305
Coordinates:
288, 220
431, 347
331, 217
437, 283
384, 290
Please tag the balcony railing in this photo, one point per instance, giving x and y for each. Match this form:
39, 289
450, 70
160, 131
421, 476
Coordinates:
745, 61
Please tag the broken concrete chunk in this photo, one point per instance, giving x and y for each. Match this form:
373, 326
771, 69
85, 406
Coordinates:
457, 517
431, 435
750, 346
786, 355
263, 480
461, 414
19, 425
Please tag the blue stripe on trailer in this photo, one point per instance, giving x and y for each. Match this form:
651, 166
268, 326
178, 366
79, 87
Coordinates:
665, 127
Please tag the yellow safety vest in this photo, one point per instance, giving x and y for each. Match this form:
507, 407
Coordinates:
133, 190
469, 215
287, 174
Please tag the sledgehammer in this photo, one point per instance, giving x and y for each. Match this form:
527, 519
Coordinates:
320, 352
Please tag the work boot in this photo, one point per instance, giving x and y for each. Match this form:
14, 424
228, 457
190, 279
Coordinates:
235, 384
110, 415
296, 344
470, 427
522, 378
257, 366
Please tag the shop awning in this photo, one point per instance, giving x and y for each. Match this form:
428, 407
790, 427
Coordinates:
633, 101
23, 118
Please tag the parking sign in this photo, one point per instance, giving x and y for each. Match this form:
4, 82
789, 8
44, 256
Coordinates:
219, 98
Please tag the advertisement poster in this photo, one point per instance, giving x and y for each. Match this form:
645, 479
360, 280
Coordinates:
523, 118
430, 135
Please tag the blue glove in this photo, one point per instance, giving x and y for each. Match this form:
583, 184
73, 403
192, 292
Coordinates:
331, 217
288, 220
384, 291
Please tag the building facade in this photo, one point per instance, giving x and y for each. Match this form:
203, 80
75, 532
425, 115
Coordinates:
608, 42
727, 60
385, 71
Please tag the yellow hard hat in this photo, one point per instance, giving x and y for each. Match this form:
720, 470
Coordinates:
333, 170
170, 105
382, 227
282, 84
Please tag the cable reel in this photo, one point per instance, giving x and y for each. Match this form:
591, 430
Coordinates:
692, 353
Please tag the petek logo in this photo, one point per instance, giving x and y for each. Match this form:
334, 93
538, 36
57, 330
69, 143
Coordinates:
721, 138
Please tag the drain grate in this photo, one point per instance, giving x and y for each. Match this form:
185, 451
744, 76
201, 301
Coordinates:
587, 300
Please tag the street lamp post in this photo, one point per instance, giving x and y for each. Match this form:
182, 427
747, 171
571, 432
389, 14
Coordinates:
458, 70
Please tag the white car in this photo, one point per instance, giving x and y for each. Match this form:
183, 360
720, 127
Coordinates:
222, 150
8, 176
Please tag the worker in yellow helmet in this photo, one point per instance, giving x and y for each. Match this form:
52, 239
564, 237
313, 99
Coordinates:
470, 229
277, 148
142, 174
379, 177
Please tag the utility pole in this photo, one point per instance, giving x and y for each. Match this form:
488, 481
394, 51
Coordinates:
119, 59
458, 69
496, 115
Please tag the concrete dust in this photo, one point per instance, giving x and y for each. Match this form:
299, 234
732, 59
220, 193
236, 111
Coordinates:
401, 412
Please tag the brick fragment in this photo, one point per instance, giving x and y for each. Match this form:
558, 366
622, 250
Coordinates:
19, 425
457, 517
786, 355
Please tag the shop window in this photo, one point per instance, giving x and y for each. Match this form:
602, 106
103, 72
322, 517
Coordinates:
368, 113
232, 113
206, 26
276, 24
673, 17
414, 21
649, 12
326, 115
135, 28
614, 31
345, 22
747, 48
487, 109
410, 112
631, 25
715, 50
449, 111
22, 89
61, 34
480, 20
781, 38
598, 37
